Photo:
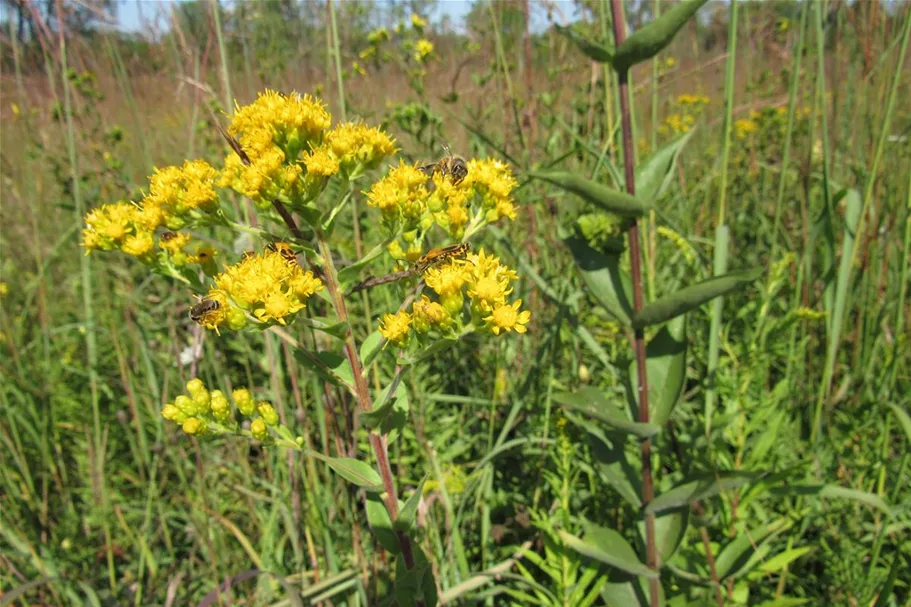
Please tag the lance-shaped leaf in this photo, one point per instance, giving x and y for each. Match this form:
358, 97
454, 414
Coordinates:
737, 557
601, 274
612, 462
408, 512
648, 41
604, 197
353, 470
591, 402
380, 524
692, 491
670, 527
592, 50
655, 173
413, 585
608, 547
691, 297
666, 371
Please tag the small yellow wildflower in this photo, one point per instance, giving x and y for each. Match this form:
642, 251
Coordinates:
139, 244
401, 195
493, 180
244, 401
108, 225
745, 127
292, 121
395, 328
490, 282
357, 145
422, 50
418, 22
258, 429
508, 318
182, 193
428, 314
268, 286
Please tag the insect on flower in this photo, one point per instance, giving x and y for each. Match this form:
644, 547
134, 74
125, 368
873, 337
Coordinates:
430, 259
283, 249
168, 235
202, 309
451, 166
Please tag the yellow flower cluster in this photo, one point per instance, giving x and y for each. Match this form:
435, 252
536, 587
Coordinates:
422, 50
745, 127
288, 121
202, 412
178, 196
676, 124
410, 200
481, 277
268, 286
694, 100
357, 145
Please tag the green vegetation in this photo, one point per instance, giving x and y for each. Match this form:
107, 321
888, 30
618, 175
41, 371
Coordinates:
708, 218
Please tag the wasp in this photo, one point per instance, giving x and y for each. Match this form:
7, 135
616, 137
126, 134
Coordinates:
283, 249
203, 308
429, 260
449, 166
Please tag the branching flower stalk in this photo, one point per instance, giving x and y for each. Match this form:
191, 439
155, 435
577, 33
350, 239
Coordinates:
648, 490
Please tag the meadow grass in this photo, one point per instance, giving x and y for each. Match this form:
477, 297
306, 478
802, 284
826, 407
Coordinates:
769, 136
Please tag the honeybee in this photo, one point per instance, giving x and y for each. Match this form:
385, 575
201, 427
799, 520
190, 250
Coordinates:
430, 259
167, 235
204, 307
451, 166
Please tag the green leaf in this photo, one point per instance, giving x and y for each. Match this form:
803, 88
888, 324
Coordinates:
670, 527
321, 323
354, 471
600, 195
648, 41
655, 174
864, 497
783, 559
330, 366
378, 519
348, 275
903, 418
382, 407
885, 593
372, 346
591, 402
608, 547
695, 490
691, 297
665, 366
612, 463
604, 279
408, 512
736, 555
590, 49
435, 348
411, 585
630, 593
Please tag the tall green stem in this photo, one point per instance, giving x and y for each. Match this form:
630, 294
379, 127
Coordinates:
648, 490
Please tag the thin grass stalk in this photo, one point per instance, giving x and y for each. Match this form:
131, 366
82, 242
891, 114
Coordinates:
648, 490
85, 271
222, 57
721, 229
504, 68
838, 312
123, 81
337, 56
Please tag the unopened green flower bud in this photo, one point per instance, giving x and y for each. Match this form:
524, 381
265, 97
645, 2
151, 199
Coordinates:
267, 411
194, 426
244, 401
221, 409
237, 320
453, 303
186, 405
258, 429
172, 413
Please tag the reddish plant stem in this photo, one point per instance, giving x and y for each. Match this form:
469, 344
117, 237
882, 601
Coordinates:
648, 490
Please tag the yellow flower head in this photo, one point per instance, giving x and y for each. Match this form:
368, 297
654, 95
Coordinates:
268, 177
4, 289
395, 328
508, 318
451, 204
181, 194
139, 244
269, 286
428, 314
422, 50
493, 180
290, 121
356, 144
448, 278
400, 195
490, 282
745, 127
212, 315
109, 225
418, 22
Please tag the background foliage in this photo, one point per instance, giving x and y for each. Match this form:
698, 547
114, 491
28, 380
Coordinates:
802, 459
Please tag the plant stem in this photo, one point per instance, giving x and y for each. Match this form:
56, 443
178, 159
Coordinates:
639, 338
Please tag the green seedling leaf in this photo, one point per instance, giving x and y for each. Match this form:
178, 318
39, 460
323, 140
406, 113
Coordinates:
600, 195
609, 547
601, 274
648, 41
591, 402
666, 372
408, 513
655, 174
691, 297
353, 470
692, 491
590, 49
378, 519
